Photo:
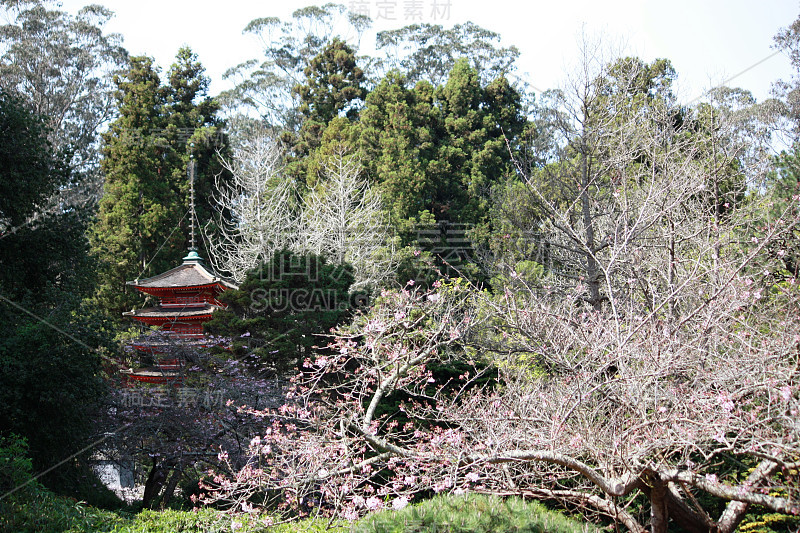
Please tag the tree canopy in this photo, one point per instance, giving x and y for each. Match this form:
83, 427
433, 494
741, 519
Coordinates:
142, 225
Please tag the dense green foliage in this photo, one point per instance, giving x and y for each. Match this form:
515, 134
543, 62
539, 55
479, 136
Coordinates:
61, 65
141, 229
30, 171
471, 513
283, 309
332, 88
50, 345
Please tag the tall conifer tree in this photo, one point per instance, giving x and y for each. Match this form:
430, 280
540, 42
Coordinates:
141, 228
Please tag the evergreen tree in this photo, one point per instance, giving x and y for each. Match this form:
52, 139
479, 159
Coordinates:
48, 344
479, 123
333, 87
265, 85
284, 308
26, 162
142, 227
438, 151
401, 136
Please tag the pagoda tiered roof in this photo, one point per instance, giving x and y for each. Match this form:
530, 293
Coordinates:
161, 312
192, 274
187, 299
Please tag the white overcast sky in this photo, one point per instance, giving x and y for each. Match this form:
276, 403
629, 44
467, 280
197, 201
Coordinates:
708, 42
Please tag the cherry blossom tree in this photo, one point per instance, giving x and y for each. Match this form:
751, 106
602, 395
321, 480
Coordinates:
602, 413
651, 379
171, 433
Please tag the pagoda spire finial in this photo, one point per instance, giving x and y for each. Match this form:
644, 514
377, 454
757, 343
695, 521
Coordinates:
192, 165
192, 256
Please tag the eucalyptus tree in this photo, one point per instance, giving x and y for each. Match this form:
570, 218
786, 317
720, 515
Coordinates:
429, 51
62, 66
265, 86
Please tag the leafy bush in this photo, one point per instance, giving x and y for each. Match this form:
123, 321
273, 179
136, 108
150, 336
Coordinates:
26, 506
471, 513
278, 313
762, 521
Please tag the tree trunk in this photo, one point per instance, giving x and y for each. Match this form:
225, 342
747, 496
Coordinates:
170, 488
152, 487
592, 274
659, 513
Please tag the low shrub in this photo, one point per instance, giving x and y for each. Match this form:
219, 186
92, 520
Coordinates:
471, 513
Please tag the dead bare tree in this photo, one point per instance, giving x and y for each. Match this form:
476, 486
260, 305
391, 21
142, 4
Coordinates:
261, 201
344, 219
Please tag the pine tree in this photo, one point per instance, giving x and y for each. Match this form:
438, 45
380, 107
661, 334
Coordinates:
438, 151
401, 137
479, 123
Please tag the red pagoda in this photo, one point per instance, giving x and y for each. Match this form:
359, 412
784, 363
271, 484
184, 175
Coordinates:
187, 298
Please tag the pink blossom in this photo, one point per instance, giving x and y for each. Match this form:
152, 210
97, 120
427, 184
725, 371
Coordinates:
373, 503
399, 503
786, 393
472, 477
350, 513
726, 402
